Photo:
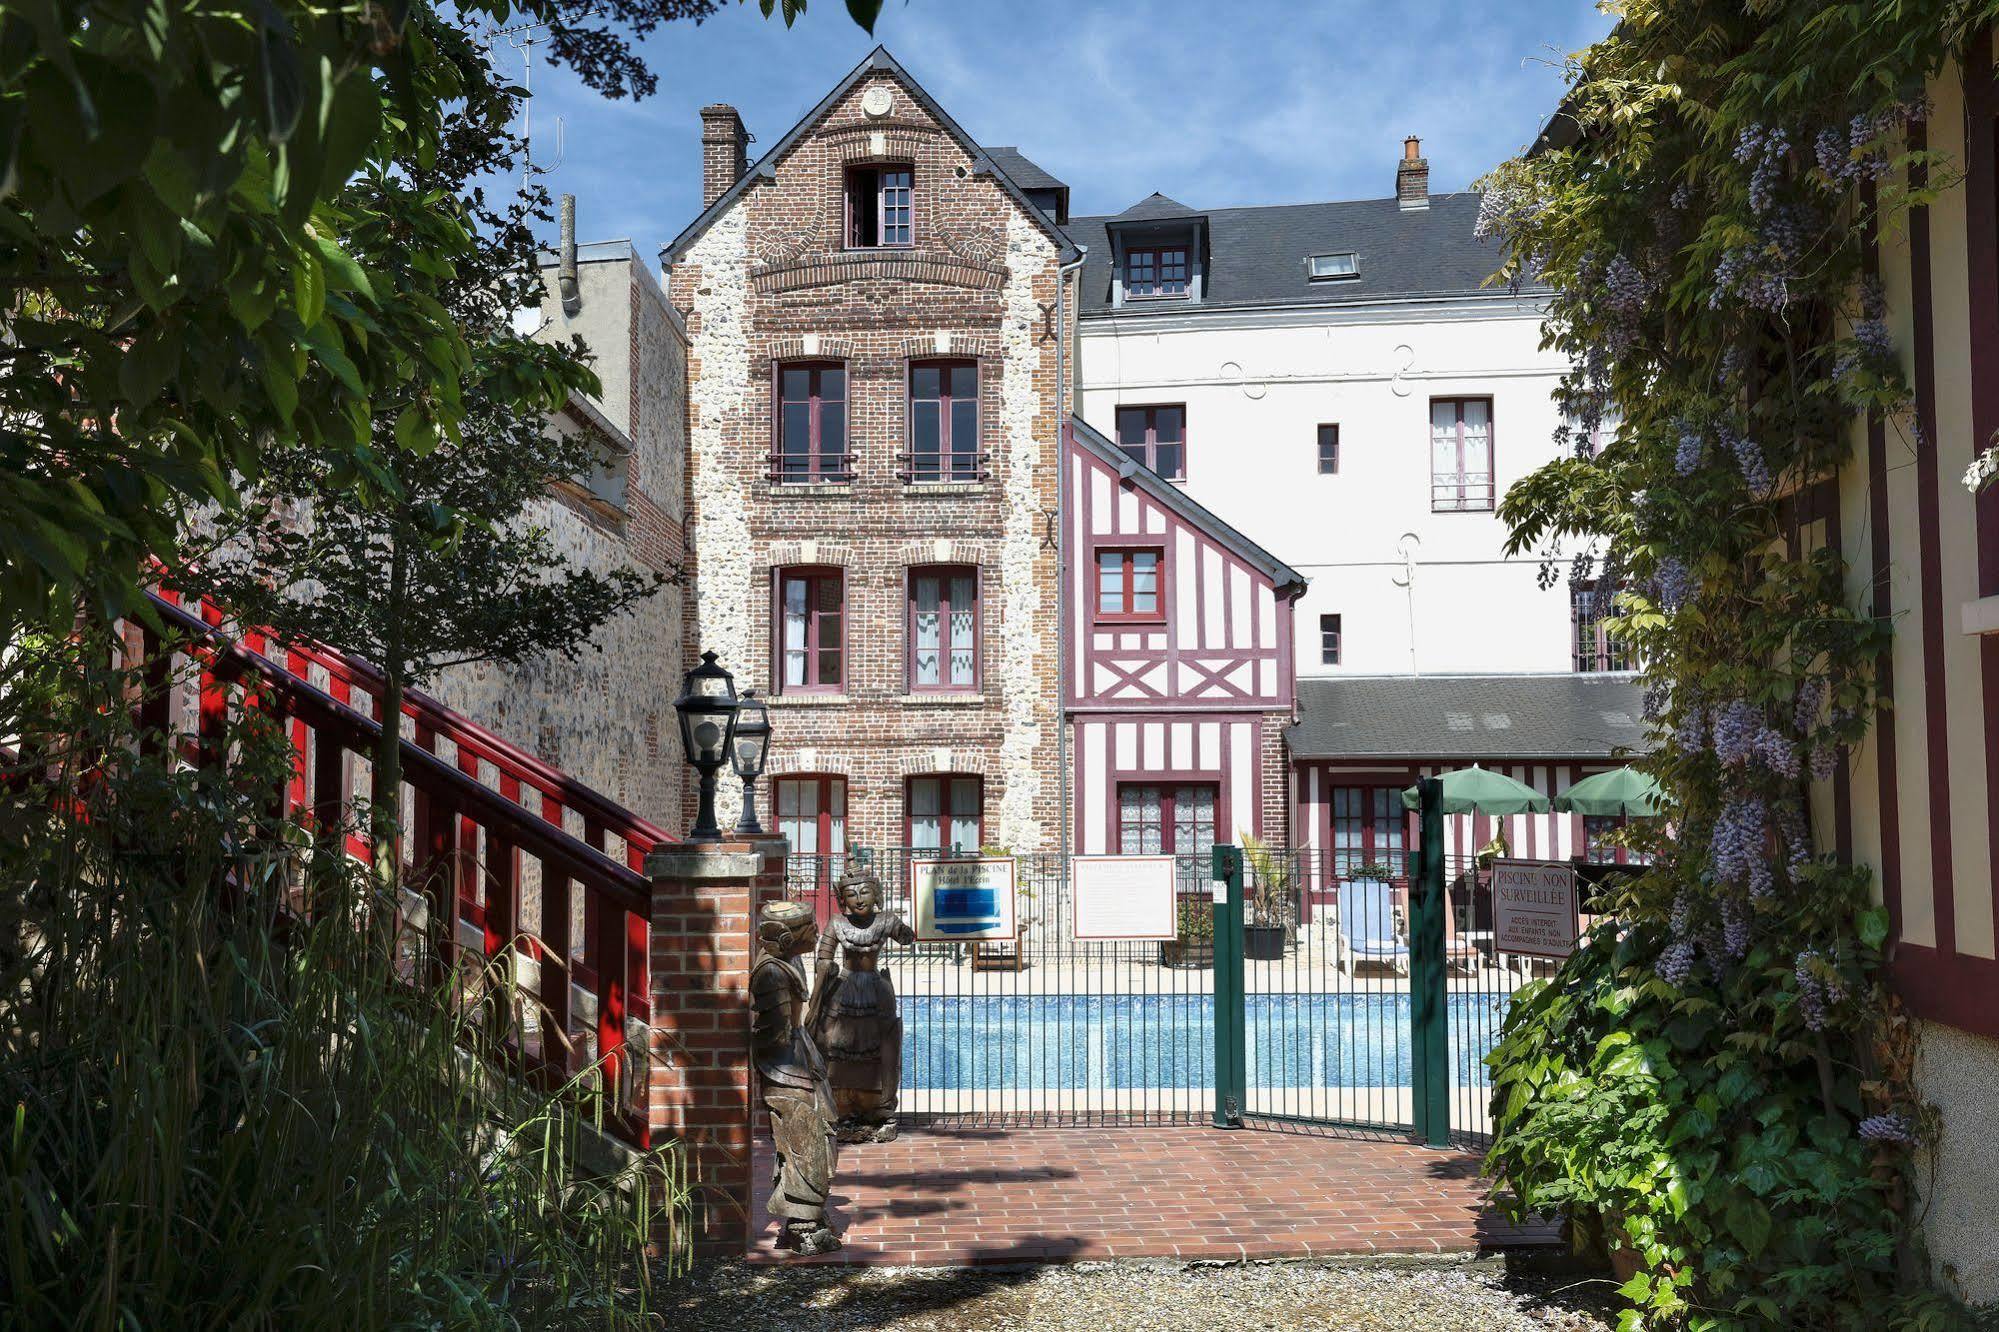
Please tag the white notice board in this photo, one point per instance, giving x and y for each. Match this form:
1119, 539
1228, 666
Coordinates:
1124, 897
1534, 908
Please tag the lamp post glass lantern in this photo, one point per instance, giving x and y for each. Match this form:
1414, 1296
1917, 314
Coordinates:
707, 710
748, 752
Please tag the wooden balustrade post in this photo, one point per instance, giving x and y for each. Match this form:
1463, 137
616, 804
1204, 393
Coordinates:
704, 900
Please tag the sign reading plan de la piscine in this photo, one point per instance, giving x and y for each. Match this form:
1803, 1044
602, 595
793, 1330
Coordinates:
964, 901
1534, 909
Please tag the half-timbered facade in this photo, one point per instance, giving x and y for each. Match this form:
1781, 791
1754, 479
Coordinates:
1178, 663
1919, 805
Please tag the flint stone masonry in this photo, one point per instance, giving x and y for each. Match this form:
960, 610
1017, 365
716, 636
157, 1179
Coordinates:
771, 279
602, 710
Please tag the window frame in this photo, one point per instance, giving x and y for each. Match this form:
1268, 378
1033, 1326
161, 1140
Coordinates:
811, 575
1466, 501
1155, 254
1098, 615
954, 463
1376, 810
1150, 446
945, 574
1604, 655
945, 818
1338, 632
816, 471
1323, 455
876, 171
1313, 274
1170, 792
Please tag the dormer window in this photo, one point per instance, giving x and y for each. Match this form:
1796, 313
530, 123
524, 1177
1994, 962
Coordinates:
880, 214
1332, 267
1156, 273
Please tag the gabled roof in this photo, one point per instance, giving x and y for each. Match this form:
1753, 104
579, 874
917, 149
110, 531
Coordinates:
1022, 172
1256, 256
1512, 717
878, 60
1154, 207
1281, 575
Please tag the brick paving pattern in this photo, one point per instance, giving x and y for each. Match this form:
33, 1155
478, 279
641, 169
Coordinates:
964, 1196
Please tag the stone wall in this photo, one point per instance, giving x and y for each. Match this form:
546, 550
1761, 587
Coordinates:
603, 710
770, 279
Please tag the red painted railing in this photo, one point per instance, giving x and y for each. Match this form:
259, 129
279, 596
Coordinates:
490, 828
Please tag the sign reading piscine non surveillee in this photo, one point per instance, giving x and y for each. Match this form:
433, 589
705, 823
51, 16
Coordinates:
964, 901
1124, 898
1534, 910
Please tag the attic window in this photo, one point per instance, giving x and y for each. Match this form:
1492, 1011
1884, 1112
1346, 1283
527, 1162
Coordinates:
1158, 273
1330, 267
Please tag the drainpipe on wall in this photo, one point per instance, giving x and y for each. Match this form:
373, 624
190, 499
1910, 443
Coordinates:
1063, 584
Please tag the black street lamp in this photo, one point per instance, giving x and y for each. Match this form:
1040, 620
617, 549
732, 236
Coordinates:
748, 754
707, 708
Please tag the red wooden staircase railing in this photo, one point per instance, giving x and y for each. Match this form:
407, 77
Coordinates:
490, 829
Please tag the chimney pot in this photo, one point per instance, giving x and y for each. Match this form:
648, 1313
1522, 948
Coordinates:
566, 257
1412, 176
725, 147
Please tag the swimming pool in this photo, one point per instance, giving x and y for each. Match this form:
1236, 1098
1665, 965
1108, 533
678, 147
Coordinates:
1006, 1043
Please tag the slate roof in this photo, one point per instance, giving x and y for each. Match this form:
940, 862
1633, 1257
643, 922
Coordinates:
766, 166
1256, 256
1155, 207
1023, 172
1577, 716
1281, 575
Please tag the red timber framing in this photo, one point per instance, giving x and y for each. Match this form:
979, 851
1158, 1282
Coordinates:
1194, 686
1548, 836
481, 808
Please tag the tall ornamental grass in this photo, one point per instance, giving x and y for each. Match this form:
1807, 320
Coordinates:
224, 1101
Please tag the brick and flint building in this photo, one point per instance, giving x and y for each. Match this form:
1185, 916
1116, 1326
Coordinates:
994, 504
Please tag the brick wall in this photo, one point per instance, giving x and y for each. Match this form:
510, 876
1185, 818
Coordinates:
771, 280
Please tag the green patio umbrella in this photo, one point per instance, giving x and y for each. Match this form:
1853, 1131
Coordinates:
1620, 791
1477, 790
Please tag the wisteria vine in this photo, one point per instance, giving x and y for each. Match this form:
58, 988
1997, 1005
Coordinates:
1704, 242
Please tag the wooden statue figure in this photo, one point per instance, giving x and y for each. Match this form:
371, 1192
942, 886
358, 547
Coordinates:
853, 1016
792, 1076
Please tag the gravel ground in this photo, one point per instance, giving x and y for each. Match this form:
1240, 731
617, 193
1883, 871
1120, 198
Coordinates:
1422, 1296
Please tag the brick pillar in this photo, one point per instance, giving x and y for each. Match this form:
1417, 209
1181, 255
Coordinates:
704, 901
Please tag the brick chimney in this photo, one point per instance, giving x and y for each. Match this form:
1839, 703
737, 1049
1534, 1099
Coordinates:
725, 147
1412, 176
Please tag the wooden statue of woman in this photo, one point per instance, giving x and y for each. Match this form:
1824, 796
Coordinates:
792, 1079
853, 1016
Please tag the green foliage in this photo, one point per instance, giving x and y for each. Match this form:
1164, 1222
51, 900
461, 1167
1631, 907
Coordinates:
1194, 921
226, 1104
1701, 1078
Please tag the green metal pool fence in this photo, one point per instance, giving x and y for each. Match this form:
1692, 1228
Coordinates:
1303, 996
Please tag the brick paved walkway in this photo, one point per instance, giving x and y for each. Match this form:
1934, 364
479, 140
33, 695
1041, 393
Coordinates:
980, 1196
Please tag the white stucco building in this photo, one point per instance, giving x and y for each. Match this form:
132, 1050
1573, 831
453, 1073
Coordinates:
1342, 382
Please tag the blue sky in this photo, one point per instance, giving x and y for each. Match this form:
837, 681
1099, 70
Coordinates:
1215, 104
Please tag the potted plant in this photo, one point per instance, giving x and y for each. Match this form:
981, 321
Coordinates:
1195, 925
1271, 905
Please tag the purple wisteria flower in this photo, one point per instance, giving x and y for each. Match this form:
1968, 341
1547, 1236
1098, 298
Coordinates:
1779, 754
1749, 459
1795, 830
1736, 726
1692, 447
1690, 734
1676, 963
1887, 1128
1676, 583
1812, 994
1737, 845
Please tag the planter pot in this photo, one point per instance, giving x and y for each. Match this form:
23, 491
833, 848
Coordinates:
1625, 1261
1263, 943
1187, 953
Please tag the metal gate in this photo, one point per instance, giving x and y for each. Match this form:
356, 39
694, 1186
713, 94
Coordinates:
1300, 993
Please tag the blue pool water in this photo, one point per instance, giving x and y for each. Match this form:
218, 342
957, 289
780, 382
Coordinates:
1080, 1042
